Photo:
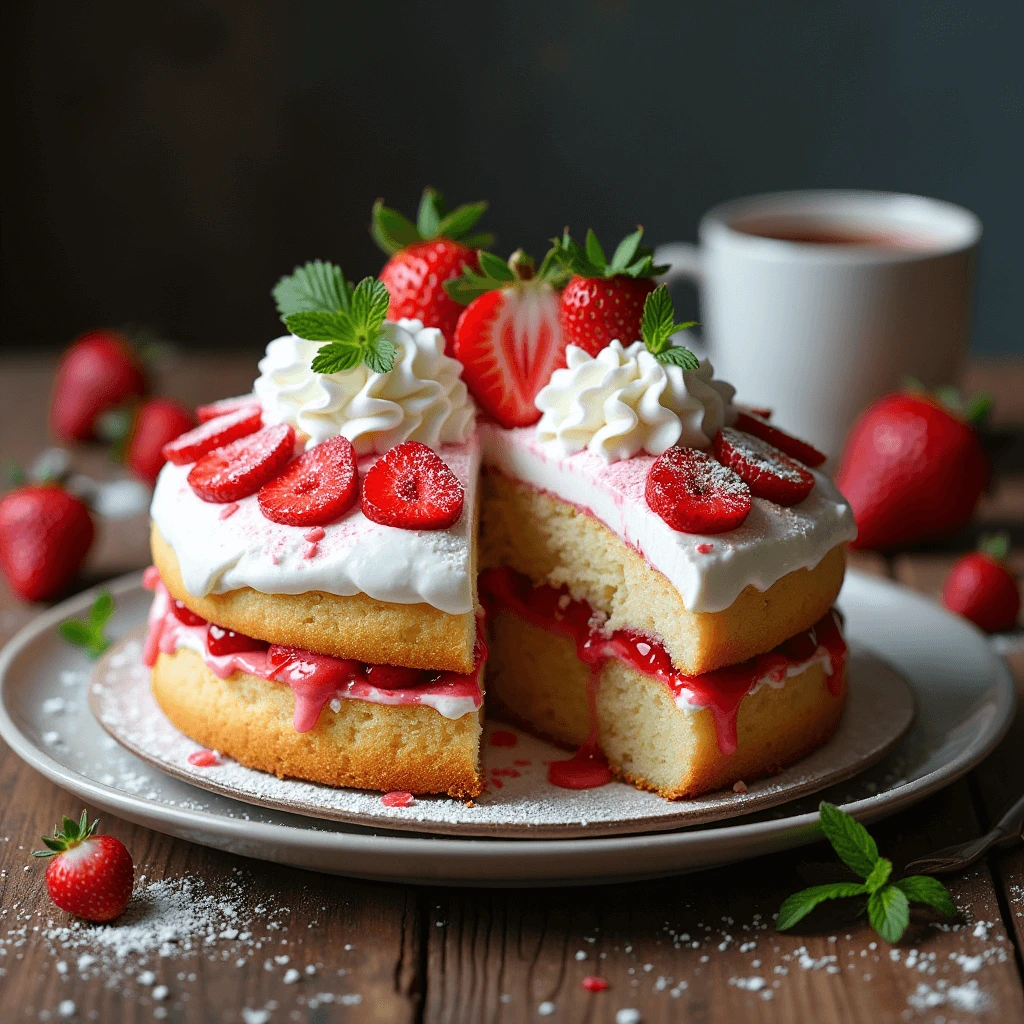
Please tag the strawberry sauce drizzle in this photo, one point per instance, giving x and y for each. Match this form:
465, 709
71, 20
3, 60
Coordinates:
203, 758
720, 691
315, 679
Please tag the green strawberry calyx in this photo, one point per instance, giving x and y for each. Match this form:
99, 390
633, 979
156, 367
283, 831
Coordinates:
70, 834
496, 273
393, 232
630, 259
974, 410
995, 545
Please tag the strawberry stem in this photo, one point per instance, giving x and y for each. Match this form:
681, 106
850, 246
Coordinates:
70, 835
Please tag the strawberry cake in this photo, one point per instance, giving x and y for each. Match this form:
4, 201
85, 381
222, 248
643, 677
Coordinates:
580, 517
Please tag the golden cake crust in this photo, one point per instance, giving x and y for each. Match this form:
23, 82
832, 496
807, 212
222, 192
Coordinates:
553, 542
535, 680
358, 627
409, 747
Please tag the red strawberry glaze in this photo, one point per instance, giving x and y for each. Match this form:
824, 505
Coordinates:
228, 510
315, 679
720, 691
203, 758
397, 799
594, 984
503, 738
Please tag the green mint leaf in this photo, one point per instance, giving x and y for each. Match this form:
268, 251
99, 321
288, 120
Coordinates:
370, 303
432, 209
479, 240
889, 912
879, 875
658, 320
390, 230
924, 889
495, 267
678, 355
595, 253
380, 354
625, 252
460, 221
800, 904
102, 608
337, 357
849, 838
322, 326
313, 288
76, 632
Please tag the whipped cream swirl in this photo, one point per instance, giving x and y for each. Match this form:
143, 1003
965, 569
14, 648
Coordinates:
422, 398
623, 401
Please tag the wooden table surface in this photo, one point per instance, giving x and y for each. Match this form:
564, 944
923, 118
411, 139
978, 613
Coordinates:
692, 948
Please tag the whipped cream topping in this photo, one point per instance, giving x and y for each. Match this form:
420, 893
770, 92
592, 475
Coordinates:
623, 401
422, 398
354, 555
708, 571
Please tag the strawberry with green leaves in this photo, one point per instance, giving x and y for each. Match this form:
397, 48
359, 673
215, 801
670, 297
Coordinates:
425, 255
981, 587
887, 902
508, 339
318, 304
604, 300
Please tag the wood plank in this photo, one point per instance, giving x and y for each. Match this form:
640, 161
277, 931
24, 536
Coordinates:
703, 948
362, 939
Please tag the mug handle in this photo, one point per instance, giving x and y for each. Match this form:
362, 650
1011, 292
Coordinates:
684, 260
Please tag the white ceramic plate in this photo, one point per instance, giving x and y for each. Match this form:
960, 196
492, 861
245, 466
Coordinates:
519, 802
963, 691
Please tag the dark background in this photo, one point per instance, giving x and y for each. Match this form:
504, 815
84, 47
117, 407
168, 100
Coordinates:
166, 163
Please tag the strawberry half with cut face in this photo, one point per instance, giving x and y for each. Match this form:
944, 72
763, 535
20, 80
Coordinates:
411, 488
244, 466
89, 875
157, 423
913, 469
45, 534
695, 494
98, 373
604, 300
981, 588
768, 473
425, 255
508, 339
318, 487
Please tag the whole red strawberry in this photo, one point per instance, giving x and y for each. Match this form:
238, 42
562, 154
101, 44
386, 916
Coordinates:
426, 254
981, 588
604, 301
89, 876
97, 373
913, 470
508, 339
45, 534
157, 423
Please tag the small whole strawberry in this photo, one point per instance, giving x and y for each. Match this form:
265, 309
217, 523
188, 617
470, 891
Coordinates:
98, 373
157, 422
981, 588
913, 468
89, 875
426, 254
604, 301
508, 339
45, 534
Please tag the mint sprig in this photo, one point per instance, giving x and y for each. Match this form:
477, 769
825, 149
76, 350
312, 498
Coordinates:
629, 259
316, 287
657, 327
888, 903
393, 232
88, 633
353, 334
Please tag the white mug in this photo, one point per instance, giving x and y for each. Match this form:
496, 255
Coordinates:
814, 304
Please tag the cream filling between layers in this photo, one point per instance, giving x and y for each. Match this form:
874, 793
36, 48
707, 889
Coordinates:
772, 542
220, 552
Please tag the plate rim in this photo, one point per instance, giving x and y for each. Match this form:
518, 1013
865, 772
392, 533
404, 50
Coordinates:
463, 849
